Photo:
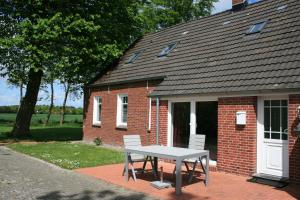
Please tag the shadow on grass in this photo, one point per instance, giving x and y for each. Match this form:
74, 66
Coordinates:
56, 134
89, 195
45, 134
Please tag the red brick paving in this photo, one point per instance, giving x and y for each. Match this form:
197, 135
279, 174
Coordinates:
222, 186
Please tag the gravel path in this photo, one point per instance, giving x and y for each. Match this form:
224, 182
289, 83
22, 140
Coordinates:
24, 177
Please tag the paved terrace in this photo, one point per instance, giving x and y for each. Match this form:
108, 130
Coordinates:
222, 186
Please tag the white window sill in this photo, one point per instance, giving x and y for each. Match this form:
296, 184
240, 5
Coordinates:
98, 124
122, 126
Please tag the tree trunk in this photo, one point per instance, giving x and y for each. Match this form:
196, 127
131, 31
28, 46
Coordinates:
26, 109
51, 104
63, 109
21, 93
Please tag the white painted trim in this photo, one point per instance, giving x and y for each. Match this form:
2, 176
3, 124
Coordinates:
119, 110
150, 110
170, 125
193, 124
96, 111
215, 97
189, 99
260, 128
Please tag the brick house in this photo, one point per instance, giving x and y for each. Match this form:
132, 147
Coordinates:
233, 76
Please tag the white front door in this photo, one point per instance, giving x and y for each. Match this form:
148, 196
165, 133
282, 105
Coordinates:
273, 137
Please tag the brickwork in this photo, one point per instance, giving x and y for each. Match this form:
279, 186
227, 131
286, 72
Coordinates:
294, 141
163, 122
138, 113
237, 144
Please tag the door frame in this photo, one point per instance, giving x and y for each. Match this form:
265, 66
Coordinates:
192, 101
260, 129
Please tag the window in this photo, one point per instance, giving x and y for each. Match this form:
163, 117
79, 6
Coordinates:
165, 51
134, 57
122, 110
256, 28
97, 111
275, 119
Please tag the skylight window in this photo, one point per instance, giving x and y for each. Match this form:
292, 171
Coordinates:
134, 57
166, 50
256, 28
282, 7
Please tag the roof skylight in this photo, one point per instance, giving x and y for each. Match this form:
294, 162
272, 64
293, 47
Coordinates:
134, 57
166, 50
256, 28
282, 7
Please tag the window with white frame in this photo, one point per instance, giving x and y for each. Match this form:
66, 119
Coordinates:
122, 110
97, 111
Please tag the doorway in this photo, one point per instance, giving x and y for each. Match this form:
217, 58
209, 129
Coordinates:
272, 136
207, 124
181, 124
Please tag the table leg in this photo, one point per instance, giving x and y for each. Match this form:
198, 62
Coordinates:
178, 177
207, 170
155, 166
126, 166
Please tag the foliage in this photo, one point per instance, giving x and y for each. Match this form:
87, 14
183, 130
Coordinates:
97, 141
158, 14
43, 109
71, 156
74, 40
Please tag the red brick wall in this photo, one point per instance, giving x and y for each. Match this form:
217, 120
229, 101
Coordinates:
163, 122
237, 144
138, 112
294, 141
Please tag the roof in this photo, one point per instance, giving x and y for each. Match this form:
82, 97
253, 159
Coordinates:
217, 56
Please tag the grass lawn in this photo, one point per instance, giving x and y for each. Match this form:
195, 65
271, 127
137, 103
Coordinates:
70, 156
40, 133
59, 151
71, 130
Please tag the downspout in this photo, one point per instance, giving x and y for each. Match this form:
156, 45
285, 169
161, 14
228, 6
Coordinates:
157, 121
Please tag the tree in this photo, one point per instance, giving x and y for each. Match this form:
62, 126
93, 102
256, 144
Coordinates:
77, 38
159, 14
51, 102
79, 32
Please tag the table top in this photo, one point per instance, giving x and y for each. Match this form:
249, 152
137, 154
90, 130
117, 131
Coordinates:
167, 152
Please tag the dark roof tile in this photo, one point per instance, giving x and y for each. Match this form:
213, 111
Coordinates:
217, 58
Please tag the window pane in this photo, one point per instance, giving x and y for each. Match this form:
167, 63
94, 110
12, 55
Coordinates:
267, 103
267, 135
267, 119
125, 99
284, 119
284, 136
275, 103
99, 111
284, 103
275, 119
124, 113
275, 136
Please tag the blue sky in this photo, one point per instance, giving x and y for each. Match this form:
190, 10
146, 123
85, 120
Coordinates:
10, 95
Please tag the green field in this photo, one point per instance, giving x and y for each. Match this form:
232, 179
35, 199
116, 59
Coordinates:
71, 130
52, 143
8, 118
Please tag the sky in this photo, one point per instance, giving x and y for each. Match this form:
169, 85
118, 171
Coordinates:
10, 95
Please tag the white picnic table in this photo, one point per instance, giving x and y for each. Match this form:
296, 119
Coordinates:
172, 153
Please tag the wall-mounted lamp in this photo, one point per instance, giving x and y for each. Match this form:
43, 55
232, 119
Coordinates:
297, 129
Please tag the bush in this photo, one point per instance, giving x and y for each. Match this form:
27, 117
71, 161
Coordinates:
97, 141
